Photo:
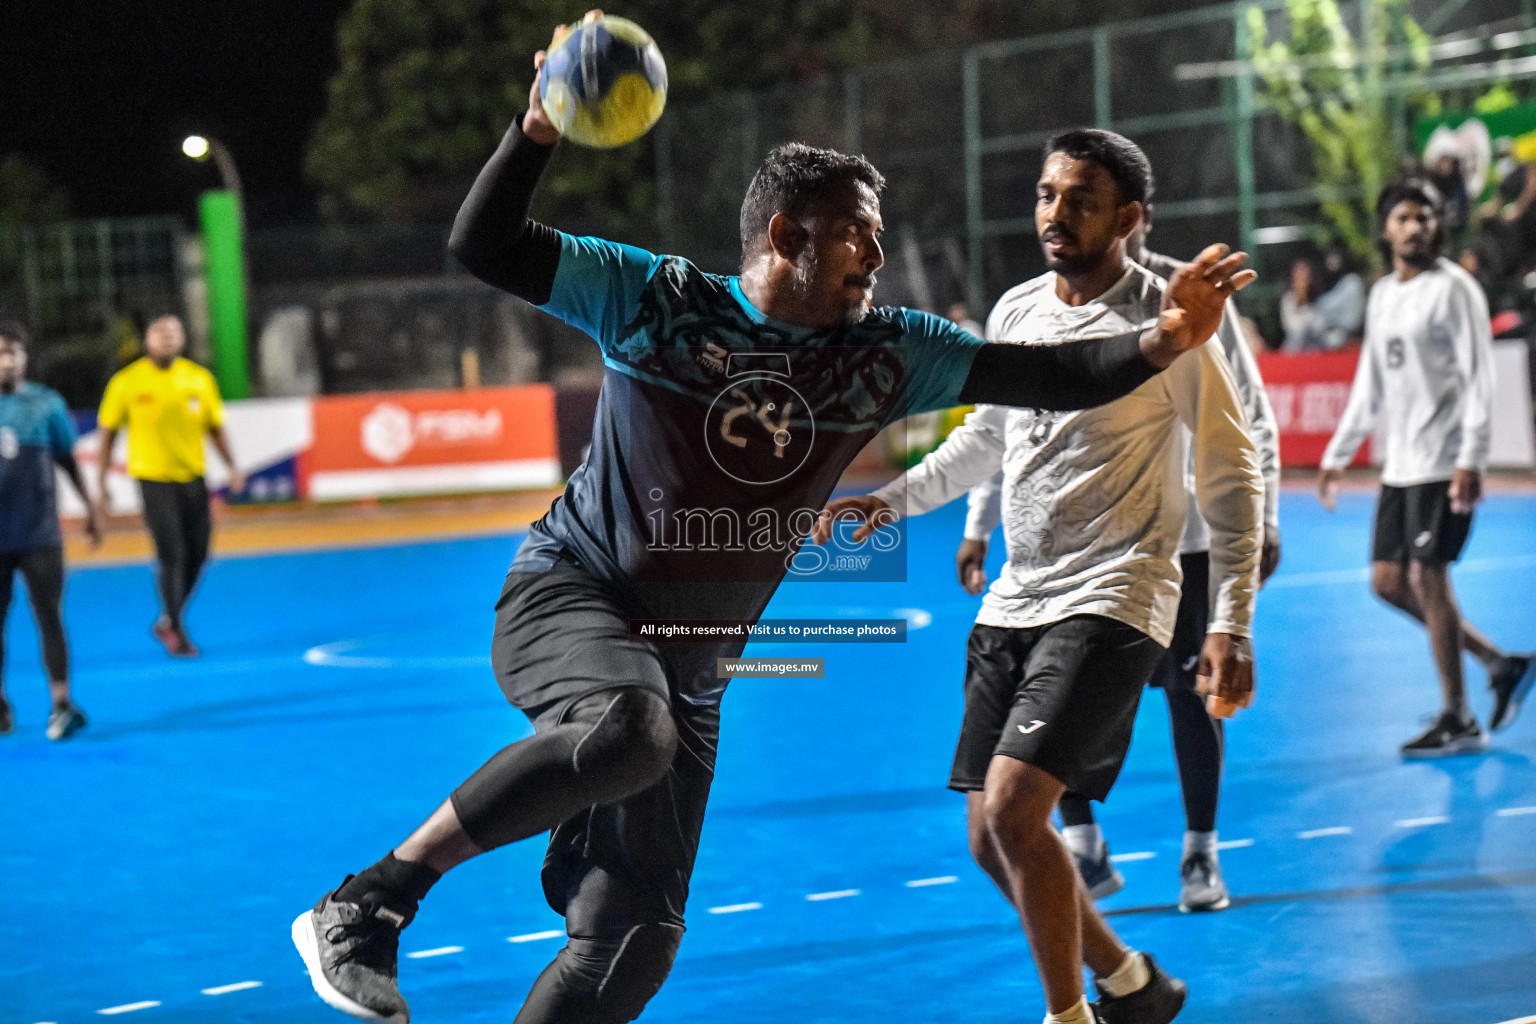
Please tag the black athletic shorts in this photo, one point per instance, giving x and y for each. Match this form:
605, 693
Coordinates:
562, 634
1061, 697
1417, 523
1180, 665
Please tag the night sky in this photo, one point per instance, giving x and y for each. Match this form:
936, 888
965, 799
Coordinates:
100, 93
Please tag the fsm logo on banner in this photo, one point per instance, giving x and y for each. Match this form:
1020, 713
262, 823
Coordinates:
390, 432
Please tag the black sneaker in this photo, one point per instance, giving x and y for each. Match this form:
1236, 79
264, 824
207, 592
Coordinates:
1098, 872
1203, 889
351, 951
1156, 1002
7, 718
1449, 735
65, 722
1511, 684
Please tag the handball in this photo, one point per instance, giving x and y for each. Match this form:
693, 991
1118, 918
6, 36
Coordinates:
604, 83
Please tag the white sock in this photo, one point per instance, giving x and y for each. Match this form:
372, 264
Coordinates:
1131, 976
1200, 842
1082, 840
1077, 1013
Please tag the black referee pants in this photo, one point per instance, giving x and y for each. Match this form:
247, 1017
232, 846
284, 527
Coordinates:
181, 524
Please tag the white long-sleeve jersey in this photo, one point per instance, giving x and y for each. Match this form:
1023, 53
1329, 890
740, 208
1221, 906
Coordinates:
1093, 502
985, 510
1427, 371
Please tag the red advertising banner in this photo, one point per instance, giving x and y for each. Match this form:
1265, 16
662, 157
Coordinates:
1309, 391
423, 442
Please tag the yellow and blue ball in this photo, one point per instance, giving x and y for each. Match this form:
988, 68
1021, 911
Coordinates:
604, 83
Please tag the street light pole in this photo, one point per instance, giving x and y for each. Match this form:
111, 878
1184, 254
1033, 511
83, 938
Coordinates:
223, 219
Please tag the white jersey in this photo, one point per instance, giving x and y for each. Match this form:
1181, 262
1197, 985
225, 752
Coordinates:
1093, 502
985, 500
1427, 371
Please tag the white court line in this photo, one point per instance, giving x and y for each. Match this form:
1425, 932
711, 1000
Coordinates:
422, 954
1510, 812
1438, 819
1126, 858
817, 897
1234, 844
1318, 833
147, 1004
921, 883
553, 933
1521, 1020
735, 908
239, 986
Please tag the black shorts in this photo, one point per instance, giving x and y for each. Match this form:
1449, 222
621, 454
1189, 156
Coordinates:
562, 634
1061, 697
1180, 664
1417, 523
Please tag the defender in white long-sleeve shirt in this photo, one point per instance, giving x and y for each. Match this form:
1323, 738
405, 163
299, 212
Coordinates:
1426, 372
1093, 507
1198, 740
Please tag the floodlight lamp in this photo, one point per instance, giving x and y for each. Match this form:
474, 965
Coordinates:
195, 146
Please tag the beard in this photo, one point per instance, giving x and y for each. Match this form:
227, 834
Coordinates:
1075, 262
807, 288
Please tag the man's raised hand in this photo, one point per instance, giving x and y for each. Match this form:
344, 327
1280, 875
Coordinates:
1193, 303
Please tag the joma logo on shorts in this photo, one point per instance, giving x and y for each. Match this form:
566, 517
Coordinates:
1031, 727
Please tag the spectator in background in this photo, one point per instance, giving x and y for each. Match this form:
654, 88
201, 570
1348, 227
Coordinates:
1298, 310
169, 404
961, 317
1446, 175
1341, 307
1515, 204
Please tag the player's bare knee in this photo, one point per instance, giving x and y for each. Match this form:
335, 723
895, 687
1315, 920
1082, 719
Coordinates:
1429, 583
1387, 583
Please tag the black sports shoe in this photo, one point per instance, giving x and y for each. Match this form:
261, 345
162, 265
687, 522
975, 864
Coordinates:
351, 951
1156, 1002
1511, 684
1098, 872
1449, 735
65, 722
7, 718
1203, 889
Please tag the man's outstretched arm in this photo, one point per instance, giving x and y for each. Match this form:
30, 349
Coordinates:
1085, 374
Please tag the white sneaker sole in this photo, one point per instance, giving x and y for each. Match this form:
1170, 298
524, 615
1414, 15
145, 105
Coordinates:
309, 949
1108, 887
1205, 908
1466, 745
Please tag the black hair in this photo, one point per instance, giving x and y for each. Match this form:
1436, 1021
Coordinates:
792, 179
1409, 190
14, 331
1121, 159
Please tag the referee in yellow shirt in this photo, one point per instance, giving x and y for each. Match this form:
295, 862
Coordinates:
168, 404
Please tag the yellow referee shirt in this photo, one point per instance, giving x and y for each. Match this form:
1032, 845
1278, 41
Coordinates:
167, 412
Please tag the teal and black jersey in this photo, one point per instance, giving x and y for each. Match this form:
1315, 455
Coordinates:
720, 433
35, 430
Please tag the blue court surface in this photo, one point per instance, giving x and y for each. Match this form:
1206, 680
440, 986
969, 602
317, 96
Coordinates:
152, 866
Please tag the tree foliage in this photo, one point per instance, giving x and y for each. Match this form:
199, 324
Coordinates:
1334, 87
425, 88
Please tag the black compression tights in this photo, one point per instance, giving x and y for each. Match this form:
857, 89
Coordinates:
609, 746
1197, 744
43, 570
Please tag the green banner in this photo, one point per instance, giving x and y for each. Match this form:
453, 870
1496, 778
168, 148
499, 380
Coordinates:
224, 267
1473, 139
